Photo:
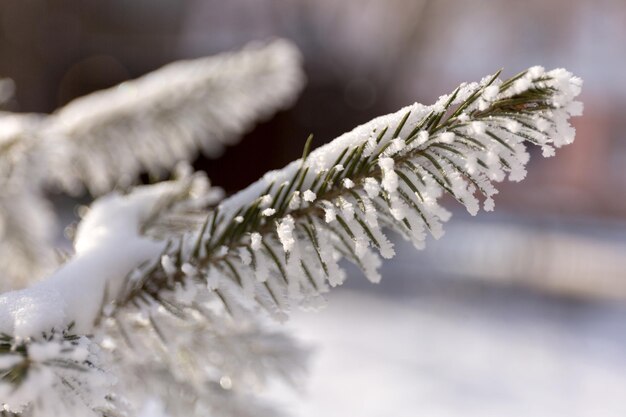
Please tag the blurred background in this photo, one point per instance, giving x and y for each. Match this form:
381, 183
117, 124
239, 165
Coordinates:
517, 313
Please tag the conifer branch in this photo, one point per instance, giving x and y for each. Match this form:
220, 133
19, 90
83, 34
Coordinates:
279, 240
164, 117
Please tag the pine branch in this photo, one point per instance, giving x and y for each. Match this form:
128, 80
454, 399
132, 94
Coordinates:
164, 117
279, 241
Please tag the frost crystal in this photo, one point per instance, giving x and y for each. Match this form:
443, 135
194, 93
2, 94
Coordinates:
268, 212
309, 196
390, 178
285, 233
255, 241
371, 186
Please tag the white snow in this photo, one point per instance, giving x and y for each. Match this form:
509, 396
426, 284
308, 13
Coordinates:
266, 200
390, 178
447, 137
153, 408
295, 200
491, 92
309, 196
536, 71
255, 241
371, 186
422, 137
268, 212
396, 145
284, 230
108, 246
330, 215
521, 85
513, 126
478, 128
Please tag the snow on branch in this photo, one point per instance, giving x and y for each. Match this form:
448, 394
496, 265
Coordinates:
108, 245
157, 120
278, 242
47, 362
154, 353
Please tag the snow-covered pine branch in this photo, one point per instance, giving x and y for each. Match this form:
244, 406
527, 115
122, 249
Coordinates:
42, 375
278, 243
108, 138
164, 117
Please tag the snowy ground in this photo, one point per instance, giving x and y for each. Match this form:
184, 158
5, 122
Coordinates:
378, 357
439, 347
